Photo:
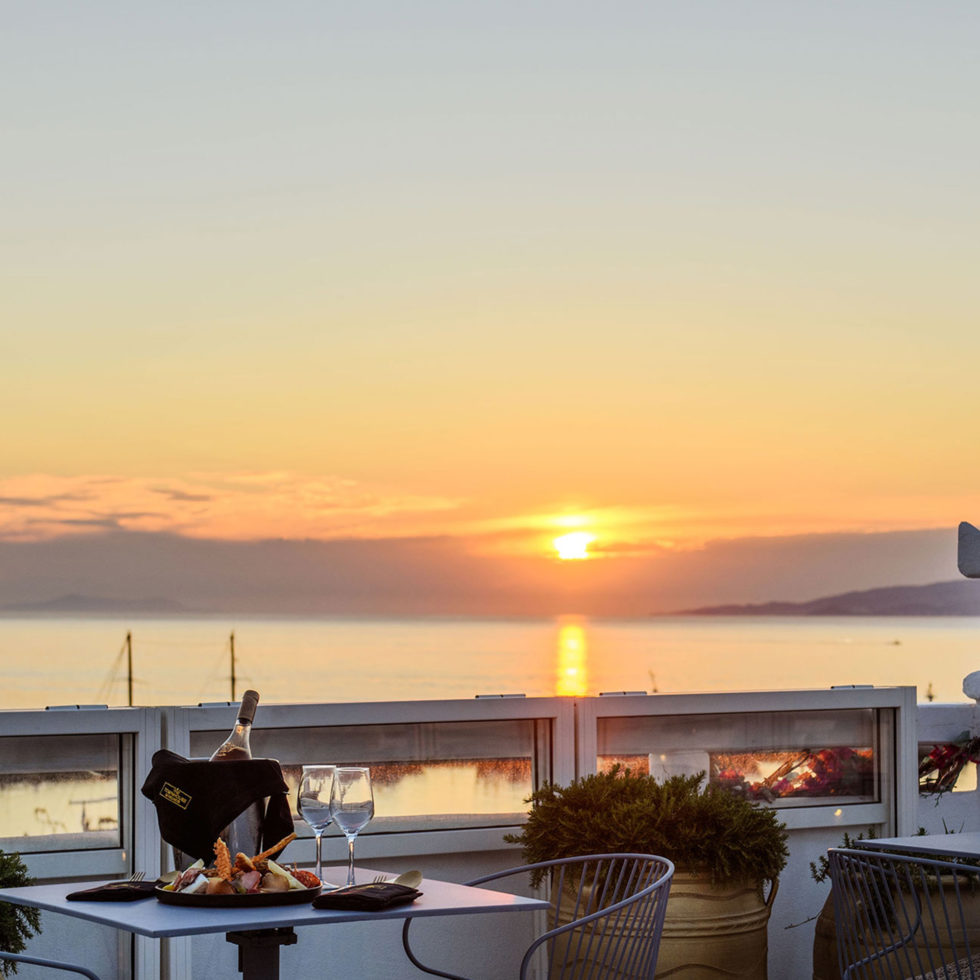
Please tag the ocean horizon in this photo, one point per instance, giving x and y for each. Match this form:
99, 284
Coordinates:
53, 660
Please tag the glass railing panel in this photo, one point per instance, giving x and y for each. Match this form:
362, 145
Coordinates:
61, 792
425, 774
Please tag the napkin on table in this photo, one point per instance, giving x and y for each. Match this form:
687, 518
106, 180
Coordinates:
367, 898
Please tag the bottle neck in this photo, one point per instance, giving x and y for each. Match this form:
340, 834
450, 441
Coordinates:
236, 745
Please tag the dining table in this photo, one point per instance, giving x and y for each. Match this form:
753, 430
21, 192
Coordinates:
963, 846
259, 932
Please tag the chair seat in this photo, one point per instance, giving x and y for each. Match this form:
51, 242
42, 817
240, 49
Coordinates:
606, 920
967, 968
904, 916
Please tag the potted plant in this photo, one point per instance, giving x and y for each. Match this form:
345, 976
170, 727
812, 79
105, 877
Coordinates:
825, 961
724, 847
17, 924
939, 770
825, 965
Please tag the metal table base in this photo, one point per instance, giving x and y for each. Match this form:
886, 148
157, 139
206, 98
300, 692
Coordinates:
258, 951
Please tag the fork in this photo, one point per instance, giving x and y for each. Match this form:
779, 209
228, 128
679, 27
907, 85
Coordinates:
135, 877
380, 879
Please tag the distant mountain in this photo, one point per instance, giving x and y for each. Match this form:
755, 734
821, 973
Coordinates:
959, 598
98, 604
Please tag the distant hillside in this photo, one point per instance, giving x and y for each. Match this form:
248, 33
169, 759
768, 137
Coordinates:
959, 598
98, 604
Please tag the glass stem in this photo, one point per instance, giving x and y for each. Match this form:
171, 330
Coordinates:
319, 866
350, 860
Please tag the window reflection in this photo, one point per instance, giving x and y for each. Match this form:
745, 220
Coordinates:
770, 776
788, 758
484, 787
59, 792
451, 773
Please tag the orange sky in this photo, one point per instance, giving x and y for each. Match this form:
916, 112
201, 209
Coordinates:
668, 279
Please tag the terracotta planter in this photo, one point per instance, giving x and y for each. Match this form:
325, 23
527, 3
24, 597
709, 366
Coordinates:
825, 964
713, 932
573, 950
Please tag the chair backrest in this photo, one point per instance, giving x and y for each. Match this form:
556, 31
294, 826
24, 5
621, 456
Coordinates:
51, 964
903, 917
607, 915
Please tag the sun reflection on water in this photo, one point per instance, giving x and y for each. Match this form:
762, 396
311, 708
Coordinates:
571, 660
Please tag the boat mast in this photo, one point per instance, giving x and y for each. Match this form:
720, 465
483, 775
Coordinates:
231, 646
129, 665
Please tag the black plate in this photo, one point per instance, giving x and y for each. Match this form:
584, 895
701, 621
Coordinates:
295, 896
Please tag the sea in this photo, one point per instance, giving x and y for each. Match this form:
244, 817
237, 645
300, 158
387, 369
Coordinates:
62, 661
187, 661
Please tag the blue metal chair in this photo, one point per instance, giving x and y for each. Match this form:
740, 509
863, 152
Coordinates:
904, 917
51, 964
606, 916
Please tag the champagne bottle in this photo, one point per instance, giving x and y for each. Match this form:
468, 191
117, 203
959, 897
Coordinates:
236, 746
244, 833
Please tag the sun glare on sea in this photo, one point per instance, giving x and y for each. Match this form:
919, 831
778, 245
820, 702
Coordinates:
571, 667
573, 546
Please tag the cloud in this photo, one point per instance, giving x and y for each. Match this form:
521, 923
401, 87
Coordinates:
111, 523
51, 501
281, 541
236, 506
182, 495
444, 575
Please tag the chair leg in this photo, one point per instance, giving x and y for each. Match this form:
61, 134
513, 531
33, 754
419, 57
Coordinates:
416, 962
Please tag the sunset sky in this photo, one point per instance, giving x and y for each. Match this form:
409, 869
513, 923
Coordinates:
669, 275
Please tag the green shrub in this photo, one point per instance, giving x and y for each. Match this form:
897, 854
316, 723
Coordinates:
707, 831
17, 924
820, 869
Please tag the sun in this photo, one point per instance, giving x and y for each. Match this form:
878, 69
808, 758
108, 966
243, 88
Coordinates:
573, 546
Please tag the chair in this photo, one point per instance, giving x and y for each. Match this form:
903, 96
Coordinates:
52, 964
903, 917
606, 916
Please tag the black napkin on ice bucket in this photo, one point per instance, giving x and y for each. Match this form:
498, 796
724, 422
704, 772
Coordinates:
195, 800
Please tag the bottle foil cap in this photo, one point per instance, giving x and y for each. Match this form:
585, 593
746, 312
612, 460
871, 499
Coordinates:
250, 700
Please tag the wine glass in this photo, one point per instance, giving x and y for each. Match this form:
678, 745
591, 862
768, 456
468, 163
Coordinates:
313, 803
351, 806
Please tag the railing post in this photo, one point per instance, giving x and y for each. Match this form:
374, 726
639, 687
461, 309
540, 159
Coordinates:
971, 688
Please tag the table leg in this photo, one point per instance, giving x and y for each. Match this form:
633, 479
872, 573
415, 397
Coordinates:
258, 951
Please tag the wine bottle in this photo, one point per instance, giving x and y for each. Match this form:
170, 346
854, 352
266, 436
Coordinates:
236, 746
244, 833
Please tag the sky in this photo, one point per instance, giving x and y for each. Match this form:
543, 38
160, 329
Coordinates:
680, 277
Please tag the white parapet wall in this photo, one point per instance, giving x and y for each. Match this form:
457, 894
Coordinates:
959, 810
522, 739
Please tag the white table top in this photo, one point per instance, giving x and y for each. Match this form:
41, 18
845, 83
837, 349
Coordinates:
941, 845
149, 917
